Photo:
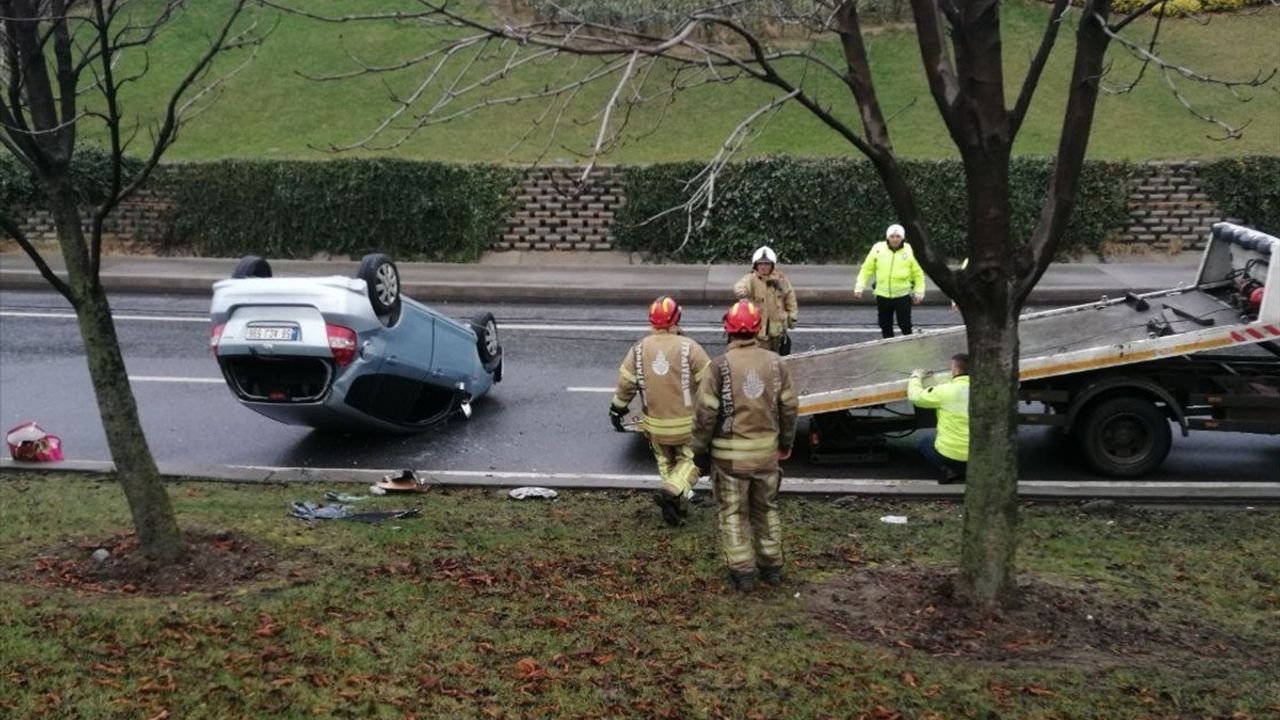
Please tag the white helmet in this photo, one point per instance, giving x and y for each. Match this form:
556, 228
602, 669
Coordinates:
764, 254
895, 229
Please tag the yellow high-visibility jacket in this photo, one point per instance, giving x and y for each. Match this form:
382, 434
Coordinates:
897, 272
951, 400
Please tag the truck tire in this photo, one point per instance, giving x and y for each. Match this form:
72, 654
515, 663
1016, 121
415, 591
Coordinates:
1124, 437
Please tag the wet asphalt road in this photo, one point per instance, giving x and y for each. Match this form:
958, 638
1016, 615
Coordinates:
548, 415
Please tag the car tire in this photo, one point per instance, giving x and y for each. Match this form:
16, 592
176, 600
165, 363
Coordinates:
487, 345
382, 277
1124, 437
251, 266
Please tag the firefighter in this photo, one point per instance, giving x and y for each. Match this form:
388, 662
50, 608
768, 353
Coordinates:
899, 280
665, 368
771, 291
949, 452
747, 416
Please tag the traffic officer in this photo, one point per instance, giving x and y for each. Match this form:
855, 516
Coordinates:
746, 413
899, 280
664, 368
771, 291
949, 452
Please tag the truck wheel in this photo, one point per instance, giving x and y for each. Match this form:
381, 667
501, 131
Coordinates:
383, 279
251, 266
487, 344
1124, 437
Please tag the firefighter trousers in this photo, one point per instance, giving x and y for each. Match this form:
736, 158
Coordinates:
676, 467
750, 526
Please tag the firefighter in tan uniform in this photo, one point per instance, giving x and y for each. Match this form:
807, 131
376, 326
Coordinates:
746, 413
769, 289
665, 368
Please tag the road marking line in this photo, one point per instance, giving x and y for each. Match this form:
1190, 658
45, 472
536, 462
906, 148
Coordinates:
589, 389
530, 327
169, 379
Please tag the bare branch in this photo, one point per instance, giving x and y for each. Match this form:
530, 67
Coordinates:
15, 232
608, 112
1036, 68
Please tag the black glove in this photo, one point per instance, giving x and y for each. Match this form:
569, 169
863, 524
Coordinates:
615, 416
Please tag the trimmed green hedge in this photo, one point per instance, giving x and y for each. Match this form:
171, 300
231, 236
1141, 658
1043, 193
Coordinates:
833, 210
411, 210
1246, 188
90, 172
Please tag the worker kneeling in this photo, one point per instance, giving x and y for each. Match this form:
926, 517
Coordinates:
747, 415
664, 368
949, 452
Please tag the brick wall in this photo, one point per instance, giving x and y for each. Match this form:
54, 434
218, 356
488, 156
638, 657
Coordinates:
556, 212
137, 224
1167, 208
553, 211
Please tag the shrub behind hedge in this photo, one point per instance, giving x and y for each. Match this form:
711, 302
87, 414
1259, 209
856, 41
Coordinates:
411, 210
1246, 188
833, 210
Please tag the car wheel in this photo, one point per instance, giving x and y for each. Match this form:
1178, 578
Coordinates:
382, 277
1124, 437
487, 344
251, 266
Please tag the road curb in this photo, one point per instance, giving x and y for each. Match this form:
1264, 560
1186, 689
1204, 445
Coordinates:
24, 279
1138, 492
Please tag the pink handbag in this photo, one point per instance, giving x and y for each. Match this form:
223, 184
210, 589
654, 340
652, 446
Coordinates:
31, 443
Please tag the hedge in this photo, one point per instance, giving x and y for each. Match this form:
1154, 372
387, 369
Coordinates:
90, 174
1247, 189
412, 210
833, 210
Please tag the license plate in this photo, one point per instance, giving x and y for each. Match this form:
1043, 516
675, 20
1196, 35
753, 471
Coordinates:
276, 333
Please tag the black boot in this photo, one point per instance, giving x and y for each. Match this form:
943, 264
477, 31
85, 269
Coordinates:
670, 507
743, 580
951, 477
771, 575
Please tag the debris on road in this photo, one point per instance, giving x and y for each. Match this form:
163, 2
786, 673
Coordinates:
31, 443
406, 481
525, 493
894, 519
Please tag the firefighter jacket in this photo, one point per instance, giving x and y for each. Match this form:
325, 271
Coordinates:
747, 409
897, 272
951, 400
665, 368
774, 296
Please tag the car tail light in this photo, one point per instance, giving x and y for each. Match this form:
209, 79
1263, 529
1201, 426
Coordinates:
214, 336
342, 343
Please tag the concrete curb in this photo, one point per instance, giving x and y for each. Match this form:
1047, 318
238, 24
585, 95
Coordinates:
639, 292
1160, 492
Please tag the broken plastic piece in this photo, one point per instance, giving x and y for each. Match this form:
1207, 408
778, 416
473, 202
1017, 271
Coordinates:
524, 493
31, 443
894, 519
312, 511
406, 481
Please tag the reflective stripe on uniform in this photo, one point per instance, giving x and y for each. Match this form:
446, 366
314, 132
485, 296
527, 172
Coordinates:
747, 443
668, 427
626, 374
710, 401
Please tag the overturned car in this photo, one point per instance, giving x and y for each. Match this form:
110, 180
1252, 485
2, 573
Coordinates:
347, 353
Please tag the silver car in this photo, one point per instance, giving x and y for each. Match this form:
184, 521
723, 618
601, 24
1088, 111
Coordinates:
348, 353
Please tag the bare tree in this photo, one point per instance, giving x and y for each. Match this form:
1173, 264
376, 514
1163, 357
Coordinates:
60, 69
468, 56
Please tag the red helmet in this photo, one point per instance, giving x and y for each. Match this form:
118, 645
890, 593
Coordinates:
742, 319
664, 313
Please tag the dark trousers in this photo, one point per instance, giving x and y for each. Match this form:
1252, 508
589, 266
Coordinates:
945, 466
886, 308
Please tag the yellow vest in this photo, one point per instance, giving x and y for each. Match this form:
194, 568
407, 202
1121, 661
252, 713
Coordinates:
951, 400
897, 272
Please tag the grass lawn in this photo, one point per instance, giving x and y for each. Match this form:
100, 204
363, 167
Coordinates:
589, 607
271, 111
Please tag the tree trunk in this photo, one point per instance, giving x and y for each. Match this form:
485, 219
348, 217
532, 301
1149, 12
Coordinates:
153, 517
991, 494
